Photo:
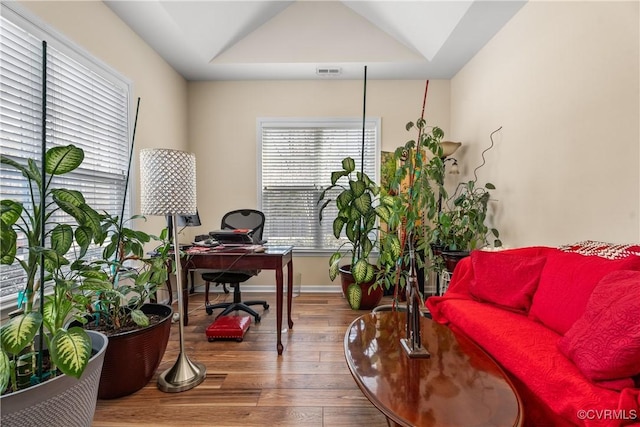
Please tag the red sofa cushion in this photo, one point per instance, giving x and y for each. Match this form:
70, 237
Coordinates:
605, 342
528, 351
566, 282
505, 278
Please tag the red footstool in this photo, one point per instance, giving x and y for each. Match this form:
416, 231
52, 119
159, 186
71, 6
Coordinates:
229, 327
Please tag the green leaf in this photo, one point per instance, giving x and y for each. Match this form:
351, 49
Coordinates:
334, 268
70, 350
348, 164
140, 318
344, 199
363, 203
357, 187
335, 176
8, 247
32, 174
18, 333
489, 186
60, 160
362, 271
354, 296
352, 231
338, 224
61, 238
72, 197
336, 256
83, 235
11, 211
324, 205
393, 243
383, 212
5, 371
387, 200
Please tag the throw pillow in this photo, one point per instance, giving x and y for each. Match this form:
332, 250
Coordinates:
605, 342
505, 279
566, 282
603, 249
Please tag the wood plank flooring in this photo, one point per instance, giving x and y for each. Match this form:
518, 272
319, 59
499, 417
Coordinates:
247, 383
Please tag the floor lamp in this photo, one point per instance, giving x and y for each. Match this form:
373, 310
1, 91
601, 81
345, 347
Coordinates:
168, 187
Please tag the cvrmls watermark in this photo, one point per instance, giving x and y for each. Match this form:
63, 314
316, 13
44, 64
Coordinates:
607, 414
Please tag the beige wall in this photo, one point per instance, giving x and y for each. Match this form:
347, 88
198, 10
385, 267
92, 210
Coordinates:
162, 121
222, 125
562, 80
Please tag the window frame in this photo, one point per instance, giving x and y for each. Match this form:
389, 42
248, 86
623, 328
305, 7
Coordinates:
351, 122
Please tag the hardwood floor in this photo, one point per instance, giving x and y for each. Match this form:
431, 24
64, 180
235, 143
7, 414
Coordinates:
248, 384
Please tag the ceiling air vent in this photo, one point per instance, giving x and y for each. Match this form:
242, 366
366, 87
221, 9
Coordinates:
328, 71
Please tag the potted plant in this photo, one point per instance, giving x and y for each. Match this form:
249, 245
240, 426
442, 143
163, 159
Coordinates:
461, 225
123, 282
359, 204
414, 185
35, 343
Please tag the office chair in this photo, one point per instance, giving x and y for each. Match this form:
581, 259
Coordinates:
238, 219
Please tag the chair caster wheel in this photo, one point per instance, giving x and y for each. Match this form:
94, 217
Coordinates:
265, 306
211, 339
258, 318
238, 339
209, 311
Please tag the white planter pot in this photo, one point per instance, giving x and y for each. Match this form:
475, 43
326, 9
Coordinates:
63, 401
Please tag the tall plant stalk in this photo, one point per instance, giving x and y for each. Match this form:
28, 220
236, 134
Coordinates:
43, 171
358, 252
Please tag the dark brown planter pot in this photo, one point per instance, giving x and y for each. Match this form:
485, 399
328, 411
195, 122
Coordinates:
451, 258
133, 357
369, 299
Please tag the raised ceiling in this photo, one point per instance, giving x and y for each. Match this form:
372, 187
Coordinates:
238, 40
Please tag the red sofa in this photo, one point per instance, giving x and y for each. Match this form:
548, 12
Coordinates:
565, 326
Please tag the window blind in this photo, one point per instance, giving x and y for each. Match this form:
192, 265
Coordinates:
297, 158
84, 108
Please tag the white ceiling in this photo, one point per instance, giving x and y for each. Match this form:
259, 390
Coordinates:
236, 40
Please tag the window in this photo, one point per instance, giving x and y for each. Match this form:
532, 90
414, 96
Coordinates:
86, 105
297, 157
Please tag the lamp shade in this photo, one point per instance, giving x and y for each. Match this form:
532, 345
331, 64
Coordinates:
449, 147
168, 182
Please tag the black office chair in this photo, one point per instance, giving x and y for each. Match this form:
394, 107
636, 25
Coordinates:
239, 219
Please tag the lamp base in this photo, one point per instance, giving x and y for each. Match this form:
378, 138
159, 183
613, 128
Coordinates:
183, 376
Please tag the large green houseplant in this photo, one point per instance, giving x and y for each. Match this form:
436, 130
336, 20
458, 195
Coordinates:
414, 183
123, 282
462, 224
36, 345
49, 247
125, 278
359, 206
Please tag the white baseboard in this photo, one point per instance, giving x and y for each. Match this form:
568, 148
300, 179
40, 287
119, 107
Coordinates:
322, 289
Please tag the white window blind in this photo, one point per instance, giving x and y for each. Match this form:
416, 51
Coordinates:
85, 106
296, 159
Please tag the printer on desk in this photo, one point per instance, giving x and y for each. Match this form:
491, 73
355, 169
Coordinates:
233, 237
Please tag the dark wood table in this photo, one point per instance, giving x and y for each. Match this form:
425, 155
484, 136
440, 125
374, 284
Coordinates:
273, 258
459, 385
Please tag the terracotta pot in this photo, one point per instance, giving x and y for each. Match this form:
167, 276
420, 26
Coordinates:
369, 299
436, 249
133, 357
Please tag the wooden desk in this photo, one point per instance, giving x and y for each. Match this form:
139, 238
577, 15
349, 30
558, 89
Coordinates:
459, 385
273, 258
